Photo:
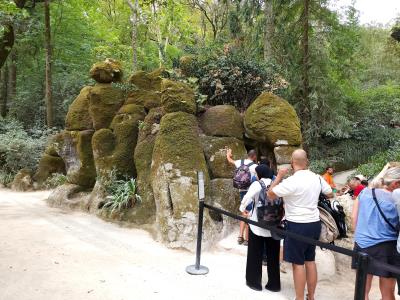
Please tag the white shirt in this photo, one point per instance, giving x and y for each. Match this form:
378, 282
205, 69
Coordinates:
252, 196
300, 193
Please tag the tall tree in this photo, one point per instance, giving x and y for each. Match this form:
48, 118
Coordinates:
6, 42
12, 76
4, 91
305, 57
48, 47
134, 18
269, 29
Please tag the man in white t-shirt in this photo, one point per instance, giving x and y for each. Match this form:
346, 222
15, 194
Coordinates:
300, 193
251, 162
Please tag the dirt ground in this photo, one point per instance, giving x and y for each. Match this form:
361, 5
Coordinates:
46, 253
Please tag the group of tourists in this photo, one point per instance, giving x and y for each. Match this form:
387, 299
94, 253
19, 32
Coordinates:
375, 217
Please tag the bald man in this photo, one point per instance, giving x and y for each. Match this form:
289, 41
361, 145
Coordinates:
300, 193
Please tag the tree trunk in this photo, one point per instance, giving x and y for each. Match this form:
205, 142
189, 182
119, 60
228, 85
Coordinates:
269, 29
6, 43
12, 77
4, 91
134, 21
49, 98
305, 89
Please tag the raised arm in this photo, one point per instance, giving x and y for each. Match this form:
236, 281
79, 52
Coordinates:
229, 156
281, 174
355, 214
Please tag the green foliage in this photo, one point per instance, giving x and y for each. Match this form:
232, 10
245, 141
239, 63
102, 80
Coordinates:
55, 180
378, 161
122, 195
319, 166
20, 148
6, 178
233, 78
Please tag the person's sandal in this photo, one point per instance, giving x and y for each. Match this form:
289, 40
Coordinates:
245, 243
240, 240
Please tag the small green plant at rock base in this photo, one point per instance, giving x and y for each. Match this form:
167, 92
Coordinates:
141, 124
55, 180
123, 195
6, 179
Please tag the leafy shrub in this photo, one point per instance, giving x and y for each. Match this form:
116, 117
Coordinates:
20, 148
6, 179
378, 161
122, 195
233, 78
55, 180
319, 166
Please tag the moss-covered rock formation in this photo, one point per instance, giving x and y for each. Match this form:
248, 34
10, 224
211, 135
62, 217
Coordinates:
104, 102
78, 117
177, 156
177, 96
22, 181
222, 120
75, 148
215, 153
107, 71
271, 119
155, 135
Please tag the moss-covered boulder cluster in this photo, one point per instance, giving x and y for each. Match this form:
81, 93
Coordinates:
157, 134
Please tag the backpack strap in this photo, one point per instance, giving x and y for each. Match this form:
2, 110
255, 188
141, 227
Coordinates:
381, 212
242, 162
250, 164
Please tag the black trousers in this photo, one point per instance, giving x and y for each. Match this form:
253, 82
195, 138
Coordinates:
254, 261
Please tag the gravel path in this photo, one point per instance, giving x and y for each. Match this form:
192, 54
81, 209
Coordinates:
46, 253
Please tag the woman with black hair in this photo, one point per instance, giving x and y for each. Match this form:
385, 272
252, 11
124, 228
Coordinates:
259, 236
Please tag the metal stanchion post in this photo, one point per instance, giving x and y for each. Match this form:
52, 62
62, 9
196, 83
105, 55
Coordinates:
361, 276
198, 269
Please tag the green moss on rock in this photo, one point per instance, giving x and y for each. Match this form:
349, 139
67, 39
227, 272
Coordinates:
107, 71
105, 101
75, 148
48, 165
78, 117
148, 99
186, 65
131, 109
215, 153
177, 96
222, 120
272, 120
146, 81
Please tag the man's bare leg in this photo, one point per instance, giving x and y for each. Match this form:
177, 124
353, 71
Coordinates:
312, 278
368, 286
387, 287
299, 278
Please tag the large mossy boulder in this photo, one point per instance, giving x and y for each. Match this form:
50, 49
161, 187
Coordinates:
177, 96
222, 120
143, 159
114, 148
226, 197
107, 71
147, 81
177, 156
272, 120
75, 148
22, 181
104, 102
215, 153
48, 165
78, 117
148, 99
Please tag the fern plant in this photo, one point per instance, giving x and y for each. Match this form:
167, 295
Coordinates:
123, 196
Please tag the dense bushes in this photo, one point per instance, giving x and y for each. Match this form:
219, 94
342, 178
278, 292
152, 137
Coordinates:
378, 161
232, 77
20, 148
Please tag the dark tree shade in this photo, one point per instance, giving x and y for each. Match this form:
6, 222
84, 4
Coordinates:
6, 43
396, 33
